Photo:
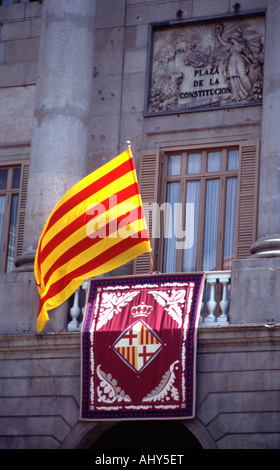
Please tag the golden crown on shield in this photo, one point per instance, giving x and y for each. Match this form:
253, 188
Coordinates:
141, 310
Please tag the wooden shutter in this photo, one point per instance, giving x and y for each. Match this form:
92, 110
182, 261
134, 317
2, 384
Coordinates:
148, 177
247, 198
22, 206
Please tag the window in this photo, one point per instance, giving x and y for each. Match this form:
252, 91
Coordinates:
13, 187
201, 189
207, 198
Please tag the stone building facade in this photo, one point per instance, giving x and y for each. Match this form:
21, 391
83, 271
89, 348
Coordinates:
78, 79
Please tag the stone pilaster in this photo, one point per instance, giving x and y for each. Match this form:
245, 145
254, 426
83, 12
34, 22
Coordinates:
255, 291
60, 137
268, 243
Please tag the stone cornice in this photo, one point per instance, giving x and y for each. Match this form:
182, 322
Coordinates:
40, 345
231, 338
211, 339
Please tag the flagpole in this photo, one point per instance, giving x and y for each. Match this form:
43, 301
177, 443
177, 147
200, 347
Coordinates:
152, 263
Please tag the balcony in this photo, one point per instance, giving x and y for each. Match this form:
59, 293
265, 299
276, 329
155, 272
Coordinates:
214, 308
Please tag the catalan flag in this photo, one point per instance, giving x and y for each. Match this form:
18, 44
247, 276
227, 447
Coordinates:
96, 227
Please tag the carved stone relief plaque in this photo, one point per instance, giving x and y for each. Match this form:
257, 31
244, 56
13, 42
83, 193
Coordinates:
195, 66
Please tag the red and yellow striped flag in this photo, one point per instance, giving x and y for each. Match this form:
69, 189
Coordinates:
96, 227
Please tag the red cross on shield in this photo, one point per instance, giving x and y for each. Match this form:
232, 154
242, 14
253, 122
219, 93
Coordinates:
138, 345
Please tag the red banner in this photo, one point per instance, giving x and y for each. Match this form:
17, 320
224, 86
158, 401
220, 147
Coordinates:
139, 347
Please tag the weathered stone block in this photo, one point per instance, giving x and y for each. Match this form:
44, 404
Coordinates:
20, 50
255, 291
15, 30
110, 14
16, 114
11, 75
19, 305
109, 44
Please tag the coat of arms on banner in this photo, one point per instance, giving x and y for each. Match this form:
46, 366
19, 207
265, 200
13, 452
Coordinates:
139, 347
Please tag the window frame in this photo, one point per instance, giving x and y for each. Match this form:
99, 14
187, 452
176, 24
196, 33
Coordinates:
23, 165
202, 177
150, 177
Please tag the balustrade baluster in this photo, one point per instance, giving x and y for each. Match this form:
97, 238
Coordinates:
74, 313
222, 319
211, 304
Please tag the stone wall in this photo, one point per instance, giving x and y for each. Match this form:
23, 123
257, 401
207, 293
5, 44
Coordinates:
237, 389
19, 44
19, 48
120, 83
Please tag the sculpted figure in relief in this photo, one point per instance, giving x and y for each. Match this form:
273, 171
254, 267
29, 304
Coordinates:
237, 64
185, 56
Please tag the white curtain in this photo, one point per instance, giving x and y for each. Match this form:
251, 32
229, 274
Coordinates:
213, 162
194, 163
211, 225
192, 196
171, 217
233, 157
171, 221
174, 165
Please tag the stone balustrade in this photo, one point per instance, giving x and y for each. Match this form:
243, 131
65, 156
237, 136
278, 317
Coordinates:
216, 298
214, 309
